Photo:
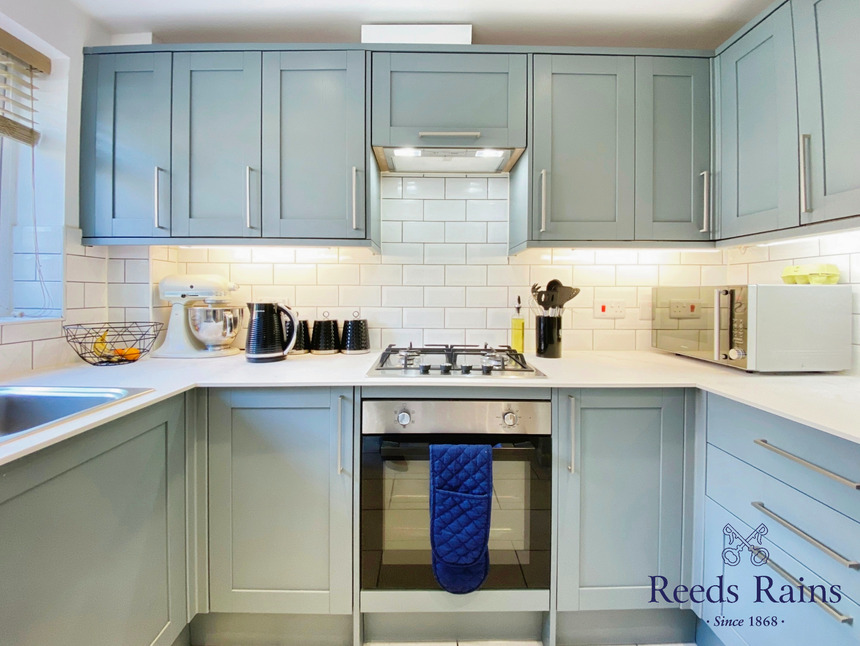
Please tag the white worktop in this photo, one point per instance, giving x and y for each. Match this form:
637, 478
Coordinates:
830, 403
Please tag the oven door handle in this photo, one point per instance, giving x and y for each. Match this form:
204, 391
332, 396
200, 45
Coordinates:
572, 464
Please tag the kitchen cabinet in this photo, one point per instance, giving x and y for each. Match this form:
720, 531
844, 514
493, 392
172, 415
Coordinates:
216, 144
125, 145
583, 148
426, 99
314, 147
621, 482
280, 500
758, 176
93, 536
828, 92
673, 149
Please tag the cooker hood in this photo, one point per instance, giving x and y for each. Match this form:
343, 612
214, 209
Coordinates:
446, 160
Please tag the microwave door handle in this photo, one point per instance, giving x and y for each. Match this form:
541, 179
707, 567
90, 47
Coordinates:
717, 293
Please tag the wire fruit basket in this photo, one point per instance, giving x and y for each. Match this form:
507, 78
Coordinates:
112, 344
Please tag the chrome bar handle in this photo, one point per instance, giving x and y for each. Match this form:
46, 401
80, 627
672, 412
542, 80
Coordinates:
340, 399
805, 140
809, 465
543, 200
451, 133
156, 211
572, 465
354, 205
717, 294
248, 197
836, 556
826, 607
706, 202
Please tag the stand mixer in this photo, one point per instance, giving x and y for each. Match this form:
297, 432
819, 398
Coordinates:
195, 332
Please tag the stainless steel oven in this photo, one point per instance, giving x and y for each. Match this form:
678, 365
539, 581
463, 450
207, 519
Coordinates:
395, 522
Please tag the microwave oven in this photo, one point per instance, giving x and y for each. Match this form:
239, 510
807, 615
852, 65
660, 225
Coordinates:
757, 328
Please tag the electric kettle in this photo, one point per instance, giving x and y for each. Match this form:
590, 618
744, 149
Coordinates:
271, 332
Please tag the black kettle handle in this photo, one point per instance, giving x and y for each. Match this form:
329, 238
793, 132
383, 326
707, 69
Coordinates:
294, 328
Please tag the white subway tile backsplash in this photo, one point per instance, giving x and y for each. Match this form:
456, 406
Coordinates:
391, 188
383, 317
499, 318
487, 211
614, 340
193, 254
74, 295
391, 232
95, 295
337, 274
423, 317
746, 254
637, 274
466, 317
838, 243
317, 255
253, 274
444, 210
465, 275
680, 275
317, 295
487, 254
357, 296
381, 274
594, 275
424, 188
397, 210
84, 269
444, 296
397, 296
615, 256
445, 254
497, 232
295, 274
400, 338
486, 296
573, 256
401, 253
423, 275
32, 330
359, 255
542, 274
493, 337
577, 340
127, 294
226, 254
508, 275
466, 188
659, 257
273, 294
497, 188
423, 232
465, 232
15, 358
445, 335
714, 275
273, 254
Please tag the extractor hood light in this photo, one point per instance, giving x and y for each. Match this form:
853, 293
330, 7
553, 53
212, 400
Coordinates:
407, 152
489, 152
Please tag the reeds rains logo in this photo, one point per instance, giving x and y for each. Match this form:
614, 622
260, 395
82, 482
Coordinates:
763, 587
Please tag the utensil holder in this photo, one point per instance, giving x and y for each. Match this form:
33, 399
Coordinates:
548, 336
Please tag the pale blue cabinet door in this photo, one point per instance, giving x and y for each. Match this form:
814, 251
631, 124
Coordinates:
313, 152
125, 146
758, 132
216, 144
280, 500
673, 148
418, 96
621, 475
583, 151
828, 96
93, 536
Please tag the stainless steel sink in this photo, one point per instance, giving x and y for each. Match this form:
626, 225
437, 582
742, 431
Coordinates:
24, 409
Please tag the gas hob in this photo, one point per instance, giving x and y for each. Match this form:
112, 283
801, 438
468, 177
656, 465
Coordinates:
473, 361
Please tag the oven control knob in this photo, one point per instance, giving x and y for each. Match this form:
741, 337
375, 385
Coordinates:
510, 418
404, 418
736, 353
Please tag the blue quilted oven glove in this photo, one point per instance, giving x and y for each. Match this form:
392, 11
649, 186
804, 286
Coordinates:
461, 496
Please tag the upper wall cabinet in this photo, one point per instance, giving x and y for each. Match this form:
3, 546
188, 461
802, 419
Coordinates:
673, 149
583, 148
314, 146
216, 144
449, 100
758, 130
828, 92
125, 145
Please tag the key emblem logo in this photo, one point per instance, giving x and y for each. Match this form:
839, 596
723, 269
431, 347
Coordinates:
737, 544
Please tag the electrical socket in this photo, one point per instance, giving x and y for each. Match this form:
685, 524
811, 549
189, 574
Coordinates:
609, 309
685, 309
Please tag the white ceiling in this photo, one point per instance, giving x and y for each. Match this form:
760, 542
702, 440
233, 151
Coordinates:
693, 24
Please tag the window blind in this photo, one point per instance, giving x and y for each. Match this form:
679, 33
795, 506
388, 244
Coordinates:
20, 66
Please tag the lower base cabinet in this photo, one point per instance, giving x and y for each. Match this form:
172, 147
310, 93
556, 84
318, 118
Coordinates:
621, 493
280, 500
92, 536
